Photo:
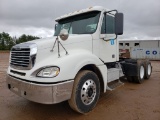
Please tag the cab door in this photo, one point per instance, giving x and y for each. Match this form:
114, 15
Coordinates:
108, 43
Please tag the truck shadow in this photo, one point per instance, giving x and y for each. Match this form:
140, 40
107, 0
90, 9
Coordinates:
19, 108
24, 110
47, 112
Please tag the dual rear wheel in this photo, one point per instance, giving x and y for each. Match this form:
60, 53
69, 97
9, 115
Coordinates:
148, 70
144, 70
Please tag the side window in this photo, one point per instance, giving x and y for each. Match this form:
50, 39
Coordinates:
109, 28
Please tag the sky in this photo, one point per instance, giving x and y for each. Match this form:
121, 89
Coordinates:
36, 17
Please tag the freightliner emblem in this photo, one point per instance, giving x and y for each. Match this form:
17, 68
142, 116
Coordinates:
17, 48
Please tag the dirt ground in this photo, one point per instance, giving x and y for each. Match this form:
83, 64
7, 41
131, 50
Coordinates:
129, 102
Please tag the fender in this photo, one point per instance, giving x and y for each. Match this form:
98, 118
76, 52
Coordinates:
83, 58
70, 64
80, 58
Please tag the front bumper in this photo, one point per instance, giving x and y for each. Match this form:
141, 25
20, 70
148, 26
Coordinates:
41, 93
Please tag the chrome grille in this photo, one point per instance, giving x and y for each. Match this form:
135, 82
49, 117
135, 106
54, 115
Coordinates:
20, 57
23, 56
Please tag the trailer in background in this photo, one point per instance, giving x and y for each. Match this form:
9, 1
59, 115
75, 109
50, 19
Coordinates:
140, 49
143, 53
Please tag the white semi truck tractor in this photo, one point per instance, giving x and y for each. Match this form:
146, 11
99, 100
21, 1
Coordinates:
78, 63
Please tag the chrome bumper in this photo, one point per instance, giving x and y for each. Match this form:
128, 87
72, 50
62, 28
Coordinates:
41, 93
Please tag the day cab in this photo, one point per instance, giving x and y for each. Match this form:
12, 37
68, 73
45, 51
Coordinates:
78, 63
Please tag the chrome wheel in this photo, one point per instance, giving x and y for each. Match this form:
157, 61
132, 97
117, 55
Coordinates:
142, 72
88, 92
149, 69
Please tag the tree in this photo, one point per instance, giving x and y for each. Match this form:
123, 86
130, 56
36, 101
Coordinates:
25, 38
6, 41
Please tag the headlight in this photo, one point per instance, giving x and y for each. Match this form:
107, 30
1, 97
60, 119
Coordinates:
49, 72
33, 50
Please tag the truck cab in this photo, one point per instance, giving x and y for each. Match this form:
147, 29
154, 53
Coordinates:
79, 62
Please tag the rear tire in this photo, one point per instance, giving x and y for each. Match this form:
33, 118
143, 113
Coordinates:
148, 69
86, 92
141, 72
130, 78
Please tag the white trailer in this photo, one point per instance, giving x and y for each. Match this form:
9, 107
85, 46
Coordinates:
77, 64
141, 49
145, 53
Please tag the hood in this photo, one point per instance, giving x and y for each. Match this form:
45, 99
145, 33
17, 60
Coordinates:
49, 42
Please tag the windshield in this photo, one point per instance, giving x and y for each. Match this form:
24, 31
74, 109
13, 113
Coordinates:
80, 24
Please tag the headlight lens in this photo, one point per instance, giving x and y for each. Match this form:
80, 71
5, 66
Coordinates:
33, 50
49, 72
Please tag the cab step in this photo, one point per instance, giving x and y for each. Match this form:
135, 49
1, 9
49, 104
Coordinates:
115, 84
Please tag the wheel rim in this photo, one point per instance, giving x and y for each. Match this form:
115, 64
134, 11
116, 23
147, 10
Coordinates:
142, 72
149, 69
88, 92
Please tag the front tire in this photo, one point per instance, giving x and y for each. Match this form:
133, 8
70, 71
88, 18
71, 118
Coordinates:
86, 92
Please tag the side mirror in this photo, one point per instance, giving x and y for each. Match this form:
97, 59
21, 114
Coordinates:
64, 34
55, 27
119, 23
